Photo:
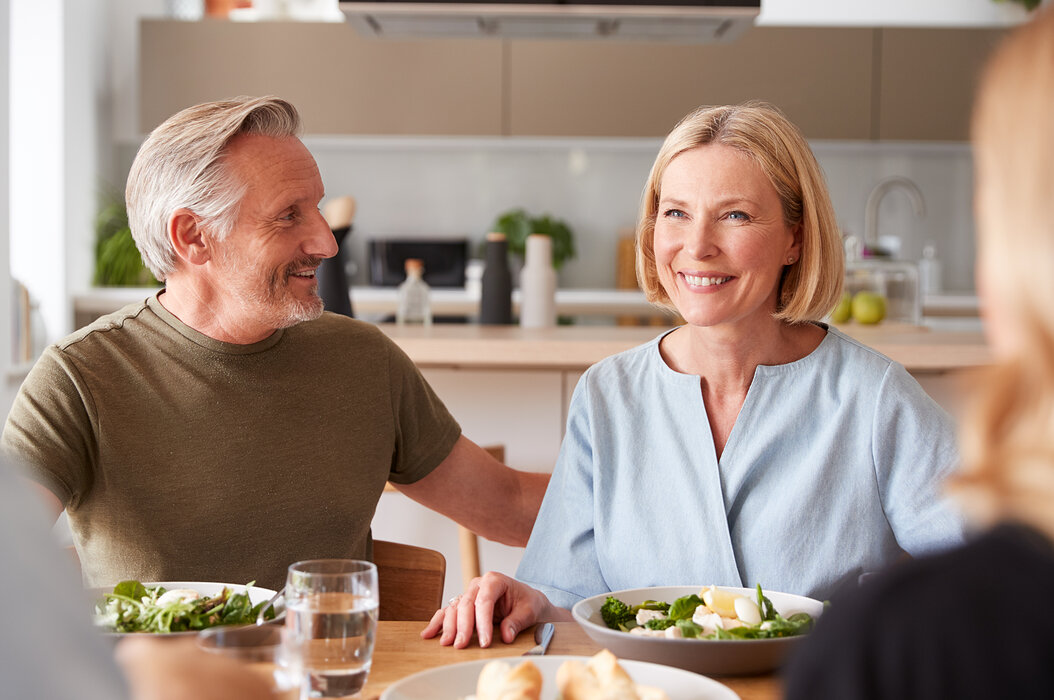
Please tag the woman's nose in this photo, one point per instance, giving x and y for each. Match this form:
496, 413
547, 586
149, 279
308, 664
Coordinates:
700, 241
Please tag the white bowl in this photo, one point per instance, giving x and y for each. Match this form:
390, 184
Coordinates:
709, 656
206, 589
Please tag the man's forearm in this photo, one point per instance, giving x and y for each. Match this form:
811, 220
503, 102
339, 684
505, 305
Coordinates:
482, 494
532, 487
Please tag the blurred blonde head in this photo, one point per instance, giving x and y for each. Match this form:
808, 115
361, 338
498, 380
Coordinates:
1008, 439
810, 287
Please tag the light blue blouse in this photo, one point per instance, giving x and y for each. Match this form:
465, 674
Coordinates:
834, 467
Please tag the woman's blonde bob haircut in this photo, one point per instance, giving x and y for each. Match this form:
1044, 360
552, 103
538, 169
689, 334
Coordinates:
811, 286
181, 165
1008, 436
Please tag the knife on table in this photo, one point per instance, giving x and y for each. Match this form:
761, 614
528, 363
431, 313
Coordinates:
543, 634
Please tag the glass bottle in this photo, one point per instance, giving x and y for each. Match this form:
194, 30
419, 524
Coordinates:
930, 270
495, 304
415, 305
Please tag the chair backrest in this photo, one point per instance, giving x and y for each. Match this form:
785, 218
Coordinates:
410, 579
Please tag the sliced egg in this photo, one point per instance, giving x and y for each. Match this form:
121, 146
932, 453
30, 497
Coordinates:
177, 595
747, 611
720, 601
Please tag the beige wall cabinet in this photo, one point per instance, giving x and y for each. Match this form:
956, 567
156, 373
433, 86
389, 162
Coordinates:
836, 83
341, 83
820, 77
927, 80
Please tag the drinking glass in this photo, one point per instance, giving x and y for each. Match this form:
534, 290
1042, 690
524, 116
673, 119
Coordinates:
261, 648
331, 624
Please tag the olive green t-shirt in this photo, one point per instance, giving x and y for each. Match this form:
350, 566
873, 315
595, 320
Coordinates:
182, 458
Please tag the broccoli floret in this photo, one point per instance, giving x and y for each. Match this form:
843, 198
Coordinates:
616, 613
660, 623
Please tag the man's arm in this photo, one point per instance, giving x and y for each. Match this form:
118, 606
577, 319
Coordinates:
481, 493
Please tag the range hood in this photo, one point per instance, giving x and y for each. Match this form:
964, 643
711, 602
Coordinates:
695, 21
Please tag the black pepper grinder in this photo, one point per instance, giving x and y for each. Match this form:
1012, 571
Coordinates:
333, 284
496, 289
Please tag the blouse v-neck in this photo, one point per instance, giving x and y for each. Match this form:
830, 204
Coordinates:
762, 373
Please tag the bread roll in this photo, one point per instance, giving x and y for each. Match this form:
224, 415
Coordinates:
499, 681
601, 678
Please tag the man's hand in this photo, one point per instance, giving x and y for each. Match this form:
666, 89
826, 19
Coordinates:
491, 598
176, 669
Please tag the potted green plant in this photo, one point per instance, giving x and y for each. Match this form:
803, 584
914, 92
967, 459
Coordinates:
1029, 4
517, 224
117, 260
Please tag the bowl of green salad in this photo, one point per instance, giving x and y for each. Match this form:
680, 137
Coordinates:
714, 630
180, 607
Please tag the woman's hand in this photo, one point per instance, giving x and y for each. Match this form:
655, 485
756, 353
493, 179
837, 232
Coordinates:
491, 598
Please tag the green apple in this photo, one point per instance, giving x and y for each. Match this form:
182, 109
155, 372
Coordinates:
843, 311
868, 307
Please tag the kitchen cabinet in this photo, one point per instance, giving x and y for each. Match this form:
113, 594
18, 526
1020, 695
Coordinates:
821, 78
927, 79
340, 82
853, 83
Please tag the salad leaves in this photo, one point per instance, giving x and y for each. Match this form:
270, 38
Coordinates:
134, 607
620, 616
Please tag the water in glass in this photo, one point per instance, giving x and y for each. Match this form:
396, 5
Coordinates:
331, 623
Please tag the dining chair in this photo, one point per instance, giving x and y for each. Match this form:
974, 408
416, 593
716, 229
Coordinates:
410, 580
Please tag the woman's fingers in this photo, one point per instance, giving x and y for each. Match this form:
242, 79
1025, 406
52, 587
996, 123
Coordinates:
435, 624
488, 598
517, 605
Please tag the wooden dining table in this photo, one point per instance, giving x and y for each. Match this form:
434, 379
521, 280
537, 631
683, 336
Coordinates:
400, 652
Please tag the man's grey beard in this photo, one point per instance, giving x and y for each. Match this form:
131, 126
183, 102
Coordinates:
275, 305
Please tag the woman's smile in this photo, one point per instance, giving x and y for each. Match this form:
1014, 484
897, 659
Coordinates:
700, 282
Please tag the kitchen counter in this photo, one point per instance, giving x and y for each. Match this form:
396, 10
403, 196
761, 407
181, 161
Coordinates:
574, 348
467, 346
375, 303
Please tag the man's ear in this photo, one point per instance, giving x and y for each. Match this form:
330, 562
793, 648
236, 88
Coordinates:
188, 238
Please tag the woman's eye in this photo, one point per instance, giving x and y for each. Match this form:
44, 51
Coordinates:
673, 214
738, 216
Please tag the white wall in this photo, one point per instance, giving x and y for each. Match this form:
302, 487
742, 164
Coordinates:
58, 102
8, 385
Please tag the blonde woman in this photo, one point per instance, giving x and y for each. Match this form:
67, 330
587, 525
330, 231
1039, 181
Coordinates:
976, 622
753, 444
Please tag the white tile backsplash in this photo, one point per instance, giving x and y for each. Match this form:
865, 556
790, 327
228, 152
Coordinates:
456, 187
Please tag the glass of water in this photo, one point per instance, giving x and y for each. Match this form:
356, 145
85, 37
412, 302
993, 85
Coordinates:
260, 648
331, 624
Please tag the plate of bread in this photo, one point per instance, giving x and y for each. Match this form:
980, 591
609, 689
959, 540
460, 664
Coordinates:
727, 655
600, 677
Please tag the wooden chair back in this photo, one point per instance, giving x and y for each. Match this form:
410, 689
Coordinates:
410, 579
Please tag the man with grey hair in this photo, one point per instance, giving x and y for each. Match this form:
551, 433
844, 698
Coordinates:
226, 427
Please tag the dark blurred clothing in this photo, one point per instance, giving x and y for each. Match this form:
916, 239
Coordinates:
974, 622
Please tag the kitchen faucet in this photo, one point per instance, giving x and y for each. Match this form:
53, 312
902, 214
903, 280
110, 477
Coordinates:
875, 199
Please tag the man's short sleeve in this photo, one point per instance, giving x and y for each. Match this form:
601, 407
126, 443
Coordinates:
425, 431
